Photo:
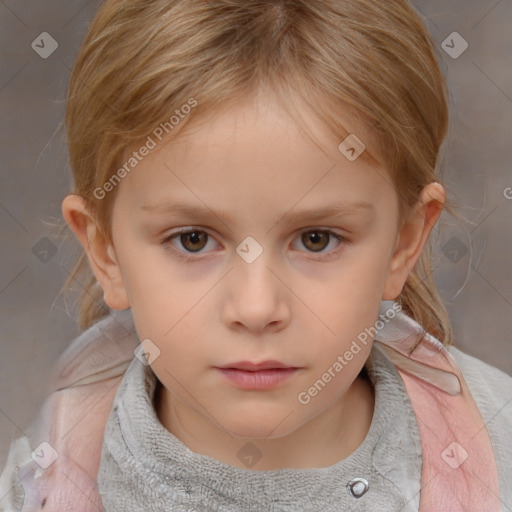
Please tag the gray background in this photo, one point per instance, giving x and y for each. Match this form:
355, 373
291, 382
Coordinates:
474, 270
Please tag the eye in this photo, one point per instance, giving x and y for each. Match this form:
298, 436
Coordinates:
316, 240
192, 240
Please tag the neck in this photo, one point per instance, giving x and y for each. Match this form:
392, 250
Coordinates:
321, 442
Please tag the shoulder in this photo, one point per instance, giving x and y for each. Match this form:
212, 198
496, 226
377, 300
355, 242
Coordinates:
491, 389
484, 381
84, 382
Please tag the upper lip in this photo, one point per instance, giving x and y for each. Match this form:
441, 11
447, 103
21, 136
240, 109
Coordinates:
253, 367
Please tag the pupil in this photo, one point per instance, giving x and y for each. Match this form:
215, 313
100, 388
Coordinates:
193, 238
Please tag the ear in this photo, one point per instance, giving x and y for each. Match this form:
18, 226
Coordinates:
412, 238
102, 256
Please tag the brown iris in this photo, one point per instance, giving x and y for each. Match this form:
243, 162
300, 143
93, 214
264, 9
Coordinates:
315, 240
195, 238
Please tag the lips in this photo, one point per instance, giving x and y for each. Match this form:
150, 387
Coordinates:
262, 376
254, 367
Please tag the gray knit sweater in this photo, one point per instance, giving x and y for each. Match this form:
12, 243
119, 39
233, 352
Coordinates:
145, 467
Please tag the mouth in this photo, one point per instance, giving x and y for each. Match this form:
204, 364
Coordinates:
254, 367
257, 376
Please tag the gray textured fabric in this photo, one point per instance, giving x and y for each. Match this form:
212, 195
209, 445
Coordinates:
145, 467
152, 463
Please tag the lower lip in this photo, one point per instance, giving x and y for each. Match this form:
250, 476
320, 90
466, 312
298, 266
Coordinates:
258, 380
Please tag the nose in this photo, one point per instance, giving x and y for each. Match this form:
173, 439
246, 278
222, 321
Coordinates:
257, 299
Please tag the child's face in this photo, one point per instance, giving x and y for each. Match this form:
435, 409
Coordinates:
302, 301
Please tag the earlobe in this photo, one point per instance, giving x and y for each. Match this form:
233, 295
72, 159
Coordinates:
413, 237
101, 254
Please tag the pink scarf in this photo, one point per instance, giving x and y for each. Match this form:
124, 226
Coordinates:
459, 470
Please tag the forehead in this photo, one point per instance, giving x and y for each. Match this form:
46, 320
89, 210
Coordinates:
254, 149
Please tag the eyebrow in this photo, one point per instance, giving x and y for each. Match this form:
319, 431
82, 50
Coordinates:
203, 212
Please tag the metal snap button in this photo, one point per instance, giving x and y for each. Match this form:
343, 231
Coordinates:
357, 487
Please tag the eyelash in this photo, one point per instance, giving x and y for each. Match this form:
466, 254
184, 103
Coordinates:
184, 257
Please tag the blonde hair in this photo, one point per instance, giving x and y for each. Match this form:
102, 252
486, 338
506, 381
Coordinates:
141, 60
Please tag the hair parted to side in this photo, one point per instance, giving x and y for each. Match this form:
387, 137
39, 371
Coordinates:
141, 60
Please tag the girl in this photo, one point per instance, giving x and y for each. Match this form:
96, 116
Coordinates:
255, 186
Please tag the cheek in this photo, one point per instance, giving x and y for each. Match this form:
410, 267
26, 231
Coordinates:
332, 377
184, 352
176, 317
160, 291
349, 300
